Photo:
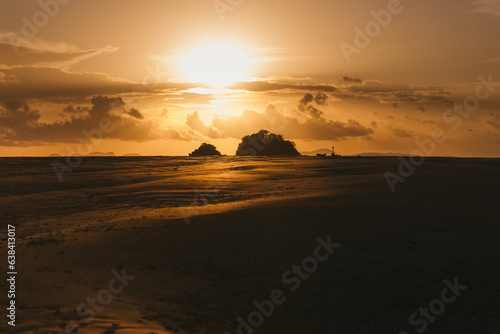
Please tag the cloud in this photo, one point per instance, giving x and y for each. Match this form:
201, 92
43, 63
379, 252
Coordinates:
78, 110
424, 121
4, 77
38, 78
47, 83
37, 69
57, 85
314, 112
195, 123
306, 125
394, 94
379, 87
16, 113
351, 79
29, 57
18, 51
400, 132
164, 112
321, 99
265, 86
135, 113
308, 98
490, 7
16, 40
20, 125
494, 121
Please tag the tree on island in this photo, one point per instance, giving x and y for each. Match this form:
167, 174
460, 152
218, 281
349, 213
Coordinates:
205, 150
265, 143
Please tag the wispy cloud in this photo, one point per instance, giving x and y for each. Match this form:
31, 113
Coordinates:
16, 51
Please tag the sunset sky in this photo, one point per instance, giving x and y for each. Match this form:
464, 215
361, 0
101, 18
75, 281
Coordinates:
168, 75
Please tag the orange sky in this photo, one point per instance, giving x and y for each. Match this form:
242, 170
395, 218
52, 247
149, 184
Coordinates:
364, 76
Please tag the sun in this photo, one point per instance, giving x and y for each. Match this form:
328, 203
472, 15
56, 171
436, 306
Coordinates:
217, 65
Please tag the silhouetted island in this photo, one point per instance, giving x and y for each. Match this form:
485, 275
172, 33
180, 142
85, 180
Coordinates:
205, 150
266, 143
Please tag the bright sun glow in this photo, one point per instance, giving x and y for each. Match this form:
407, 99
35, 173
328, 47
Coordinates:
216, 64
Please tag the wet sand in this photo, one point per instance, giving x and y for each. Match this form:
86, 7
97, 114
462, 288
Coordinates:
206, 237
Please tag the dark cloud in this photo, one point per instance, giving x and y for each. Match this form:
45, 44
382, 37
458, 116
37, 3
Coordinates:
379, 87
263, 86
57, 84
25, 83
394, 94
47, 83
321, 99
400, 132
308, 98
424, 121
135, 113
314, 112
351, 79
19, 124
78, 110
15, 114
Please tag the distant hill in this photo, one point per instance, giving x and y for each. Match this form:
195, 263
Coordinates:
93, 154
367, 154
320, 151
100, 154
373, 154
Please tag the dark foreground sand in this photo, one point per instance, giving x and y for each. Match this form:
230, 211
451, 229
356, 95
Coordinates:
251, 221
